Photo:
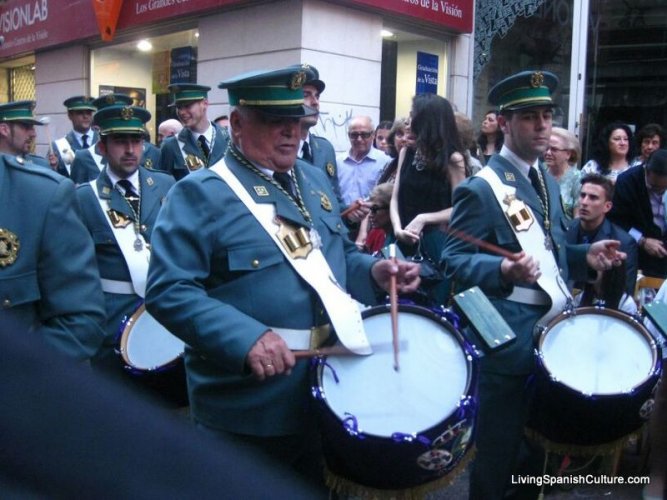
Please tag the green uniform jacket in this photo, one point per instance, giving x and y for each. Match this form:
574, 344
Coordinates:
53, 285
218, 281
171, 156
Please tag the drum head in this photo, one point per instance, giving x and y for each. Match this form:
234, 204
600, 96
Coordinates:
598, 352
147, 345
432, 380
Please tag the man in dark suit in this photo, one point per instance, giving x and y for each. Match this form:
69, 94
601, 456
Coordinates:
513, 203
591, 224
200, 143
80, 111
639, 208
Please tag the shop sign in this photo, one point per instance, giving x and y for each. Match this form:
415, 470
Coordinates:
456, 15
183, 65
427, 73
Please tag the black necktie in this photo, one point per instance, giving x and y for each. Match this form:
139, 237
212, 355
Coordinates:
535, 181
305, 153
204, 145
84, 140
130, 195
286, 181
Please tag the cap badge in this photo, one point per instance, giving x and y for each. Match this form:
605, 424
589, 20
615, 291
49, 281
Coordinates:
126, 113
9, 247
537, 79
298, 79
110, 99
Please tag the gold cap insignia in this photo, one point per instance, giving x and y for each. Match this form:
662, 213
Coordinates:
509, 176
110, 99
298, 79
331, 169
325, 202
537, 79
261, 190
9, 247
126, 113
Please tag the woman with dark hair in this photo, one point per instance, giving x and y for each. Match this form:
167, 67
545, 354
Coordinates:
490, 138
382, 135
613, 152
427, 174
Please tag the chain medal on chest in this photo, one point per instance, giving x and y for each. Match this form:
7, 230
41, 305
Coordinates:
544, 201
138, 242
312, 237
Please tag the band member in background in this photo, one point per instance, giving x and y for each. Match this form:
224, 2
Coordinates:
119, 209
80, 111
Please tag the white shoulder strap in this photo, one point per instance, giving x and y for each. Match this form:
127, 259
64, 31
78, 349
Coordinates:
314, 269
532, 240
96, 157
137, 261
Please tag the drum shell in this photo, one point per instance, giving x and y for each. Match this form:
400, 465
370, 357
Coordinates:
392, 463
565, 416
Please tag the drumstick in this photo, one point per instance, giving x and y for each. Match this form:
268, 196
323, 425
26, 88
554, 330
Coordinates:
393, 300
353, 206
482, 244
45, 120
339, 350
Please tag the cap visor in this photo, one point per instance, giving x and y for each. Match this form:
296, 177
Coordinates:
298, 111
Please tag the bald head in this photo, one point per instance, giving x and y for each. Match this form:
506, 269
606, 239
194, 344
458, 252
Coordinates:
168, 128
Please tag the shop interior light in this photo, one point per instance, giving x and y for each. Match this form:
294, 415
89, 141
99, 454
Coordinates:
144, 45
196, 34
386, 33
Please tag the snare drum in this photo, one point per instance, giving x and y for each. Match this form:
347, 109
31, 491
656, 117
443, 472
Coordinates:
597, 369
150, 352
387, 429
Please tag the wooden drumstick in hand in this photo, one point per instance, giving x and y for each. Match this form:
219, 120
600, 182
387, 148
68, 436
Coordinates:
393, 301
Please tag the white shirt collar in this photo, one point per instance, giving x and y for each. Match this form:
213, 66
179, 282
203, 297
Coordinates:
208, 134
523, 167
134, 179
79, 136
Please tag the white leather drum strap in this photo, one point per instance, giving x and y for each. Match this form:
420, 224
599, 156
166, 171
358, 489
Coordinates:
532, 241
98, 159
66, 152
343, 311
137, 261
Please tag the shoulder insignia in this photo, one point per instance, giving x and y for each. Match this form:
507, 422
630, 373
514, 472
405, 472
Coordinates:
261, 190
9, 247
325, 202
331, 169
150, 181
509, 176
148, 163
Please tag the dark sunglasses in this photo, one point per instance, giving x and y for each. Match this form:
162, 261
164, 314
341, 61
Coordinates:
375, 208
357, 135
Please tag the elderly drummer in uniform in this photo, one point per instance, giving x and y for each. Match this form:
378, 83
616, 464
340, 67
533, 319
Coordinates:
514, 204
251, 261
119, 209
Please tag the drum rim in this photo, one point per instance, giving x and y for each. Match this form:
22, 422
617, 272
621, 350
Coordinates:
466, 349
601, 311
127, 327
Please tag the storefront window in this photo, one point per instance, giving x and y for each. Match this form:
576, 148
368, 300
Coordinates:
517, 35
144, 71
626, 71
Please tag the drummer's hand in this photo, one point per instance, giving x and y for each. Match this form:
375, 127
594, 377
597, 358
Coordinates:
270, 356
523, 269
407, 275
604, 254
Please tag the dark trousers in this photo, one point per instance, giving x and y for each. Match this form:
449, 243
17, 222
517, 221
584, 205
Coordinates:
504, 403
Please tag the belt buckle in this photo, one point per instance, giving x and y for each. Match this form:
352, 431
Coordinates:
319, 335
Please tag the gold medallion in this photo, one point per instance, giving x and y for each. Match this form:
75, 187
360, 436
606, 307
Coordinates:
261, 190
537, 79
518, 213
118, 219
331, 169
325, 202
298, 79
193, 162
9, 247
126, 113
